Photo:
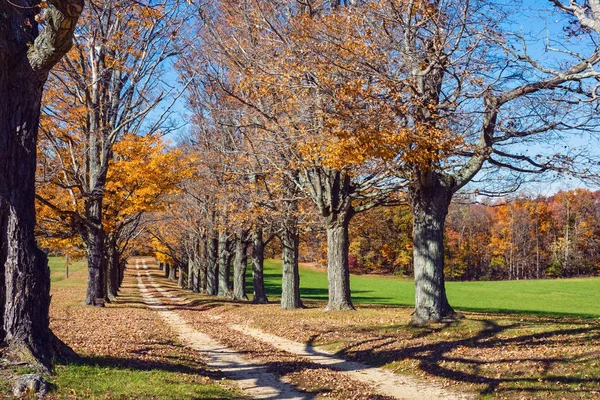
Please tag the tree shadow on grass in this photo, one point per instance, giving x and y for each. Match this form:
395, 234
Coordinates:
477, 358
257, 371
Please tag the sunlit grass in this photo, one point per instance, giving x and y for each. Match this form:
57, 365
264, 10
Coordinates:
552, 297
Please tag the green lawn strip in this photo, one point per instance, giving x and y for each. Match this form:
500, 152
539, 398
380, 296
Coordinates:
550, 297
58, 272
95, 381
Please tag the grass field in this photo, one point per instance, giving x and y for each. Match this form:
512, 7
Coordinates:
557, 297
58, 272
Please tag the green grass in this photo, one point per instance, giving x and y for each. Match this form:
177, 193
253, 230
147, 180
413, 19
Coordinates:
94, 381
58, 272
551, 297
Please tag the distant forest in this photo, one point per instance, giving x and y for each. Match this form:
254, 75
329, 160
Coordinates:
525, 238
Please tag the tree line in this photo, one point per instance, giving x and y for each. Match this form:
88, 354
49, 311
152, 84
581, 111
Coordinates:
524, 238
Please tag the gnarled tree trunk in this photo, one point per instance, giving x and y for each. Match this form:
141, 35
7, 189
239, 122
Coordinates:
112, 270
181, 276
190, 273
25, 60
202, 266
258, 259
430, 199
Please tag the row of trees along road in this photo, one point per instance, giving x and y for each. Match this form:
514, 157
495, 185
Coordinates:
350, 105
301, 109
102, 164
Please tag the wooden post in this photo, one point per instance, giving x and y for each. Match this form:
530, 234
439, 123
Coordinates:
67, 266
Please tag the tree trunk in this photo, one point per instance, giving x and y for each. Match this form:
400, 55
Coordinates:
112, 271
25, 60
166, 269
122, 266
430, 206
338, 271
239, 268
212, 272
172, 272
181, 276
224, 270
258, 258
190, 274
290, 280
331, 190
94, 240
202, 265
25, 277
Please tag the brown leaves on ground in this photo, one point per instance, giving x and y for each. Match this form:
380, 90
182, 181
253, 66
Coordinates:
499, 355
298, 371
122, 334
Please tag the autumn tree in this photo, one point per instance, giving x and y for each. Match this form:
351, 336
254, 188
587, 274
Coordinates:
106, 87
287, 94
459, 92
26, 57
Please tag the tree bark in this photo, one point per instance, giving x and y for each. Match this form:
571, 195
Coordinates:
430, 201
239, 268
212, 273
166, 270
25, 60
191, 277
181, 276
290, 280
202, 266
172, 272
94, 240
112, 271
224, 269
122, 266
338, 271
258, 258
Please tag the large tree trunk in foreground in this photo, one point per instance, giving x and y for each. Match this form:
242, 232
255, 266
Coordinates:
258, 260
430, 206
239, 268
212, 272
290, 280
338, 271
25, 60
224, 269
